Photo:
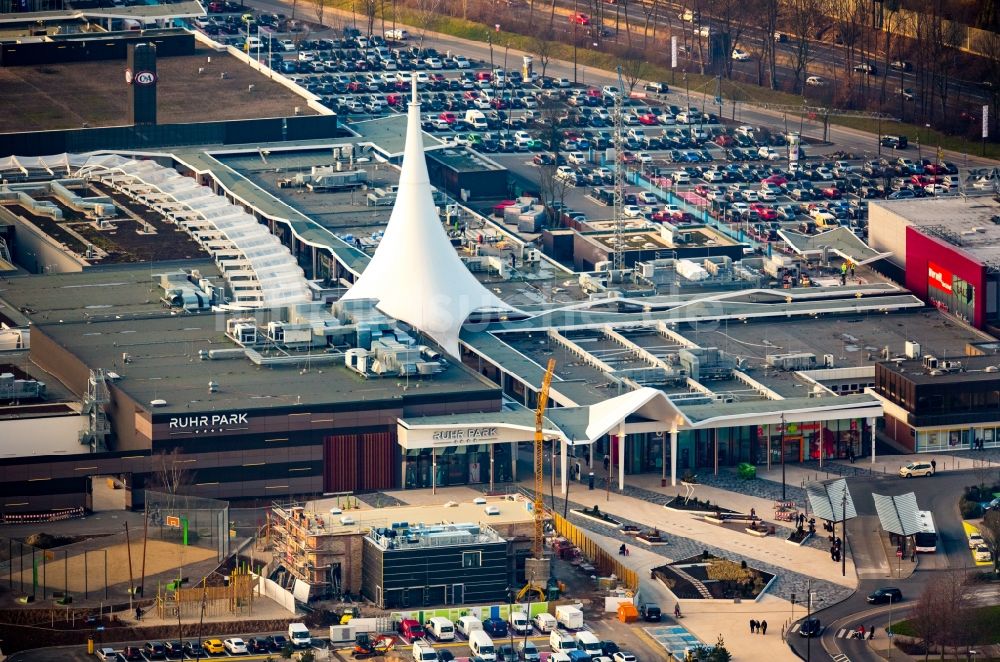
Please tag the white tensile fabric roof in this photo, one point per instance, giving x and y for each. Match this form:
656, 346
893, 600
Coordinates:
240, 244
415, 274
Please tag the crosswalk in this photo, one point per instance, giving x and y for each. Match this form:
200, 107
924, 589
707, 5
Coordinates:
842, 633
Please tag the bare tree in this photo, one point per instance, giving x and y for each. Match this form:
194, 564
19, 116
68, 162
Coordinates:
941, 614
768, 13
170, 472
546, 131
543, 46
989, 45
802, 19
320, 10
991, 535
634, 67
370, 8
731, 18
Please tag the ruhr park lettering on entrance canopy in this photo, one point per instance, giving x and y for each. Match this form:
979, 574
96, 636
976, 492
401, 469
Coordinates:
464, 435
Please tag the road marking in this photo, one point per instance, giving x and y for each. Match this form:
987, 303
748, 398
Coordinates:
840, 632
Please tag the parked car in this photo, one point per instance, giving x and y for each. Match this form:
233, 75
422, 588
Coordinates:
816, 81
982, 553
495, 627
106, 654
235, 646
916, 468
885, 594
740, 55
154, 650
214, 646
276, 642
257, 645
810, 628
132, 654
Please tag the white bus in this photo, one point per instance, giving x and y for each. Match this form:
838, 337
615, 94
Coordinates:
926, 539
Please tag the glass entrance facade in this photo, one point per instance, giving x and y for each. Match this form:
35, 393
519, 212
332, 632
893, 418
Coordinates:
458, 465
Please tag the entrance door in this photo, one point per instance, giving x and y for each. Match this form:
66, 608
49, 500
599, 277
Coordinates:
793, 449
457, 594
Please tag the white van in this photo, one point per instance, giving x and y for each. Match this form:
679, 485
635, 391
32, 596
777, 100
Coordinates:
588, 643
424, 652
441, 628
253, 43
477, 119
482, 646
545, 622
561, 642
519, 622
469, 624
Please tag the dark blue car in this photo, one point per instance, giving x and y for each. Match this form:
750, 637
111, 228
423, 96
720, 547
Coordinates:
495, 627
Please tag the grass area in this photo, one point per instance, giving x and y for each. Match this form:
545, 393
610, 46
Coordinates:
983, 620
740, 92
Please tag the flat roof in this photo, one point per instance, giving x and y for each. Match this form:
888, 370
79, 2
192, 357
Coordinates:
464, 160
98, 293
93, 93
651, 238
164, 365
180, 9
967, 223
510, 512
963, 369
388, 134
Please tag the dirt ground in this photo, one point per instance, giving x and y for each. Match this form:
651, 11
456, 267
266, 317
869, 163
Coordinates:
161, 556
63, 96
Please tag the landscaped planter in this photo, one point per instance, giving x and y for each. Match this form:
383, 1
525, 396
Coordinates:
653, 537
798, 540
695, 506
723, 579
598, 516
630, 530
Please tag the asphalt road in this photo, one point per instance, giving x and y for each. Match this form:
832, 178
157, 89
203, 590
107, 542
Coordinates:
825, 58
938, 494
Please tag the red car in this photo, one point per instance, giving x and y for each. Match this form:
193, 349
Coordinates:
777, 180
935, 169
923, 180
724, 140
649, 119
580, 19
764, 212
594, 92
702, 190
448, 117
831, 193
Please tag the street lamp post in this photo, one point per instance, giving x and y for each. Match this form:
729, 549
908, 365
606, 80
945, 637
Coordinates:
782, 451
888, 631
843, 547
809, 603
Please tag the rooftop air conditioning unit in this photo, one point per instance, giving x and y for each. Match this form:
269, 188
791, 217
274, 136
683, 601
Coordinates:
347, 520
912, 350
492, 510
479, 501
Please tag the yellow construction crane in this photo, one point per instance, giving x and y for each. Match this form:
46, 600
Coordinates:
537, 551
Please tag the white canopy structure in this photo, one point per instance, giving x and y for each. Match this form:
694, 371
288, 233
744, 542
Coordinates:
415, 275
260, 270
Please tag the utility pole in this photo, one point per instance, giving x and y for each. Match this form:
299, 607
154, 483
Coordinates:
618, 263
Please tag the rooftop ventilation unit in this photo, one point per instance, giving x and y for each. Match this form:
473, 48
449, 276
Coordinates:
912, 350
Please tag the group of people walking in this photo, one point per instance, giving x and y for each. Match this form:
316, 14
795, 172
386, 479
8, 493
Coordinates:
758, 627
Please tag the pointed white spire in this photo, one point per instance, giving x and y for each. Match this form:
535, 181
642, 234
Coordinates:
415, 274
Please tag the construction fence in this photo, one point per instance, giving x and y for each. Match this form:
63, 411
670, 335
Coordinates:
605, 562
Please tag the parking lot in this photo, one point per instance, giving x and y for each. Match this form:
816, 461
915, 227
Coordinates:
684, 163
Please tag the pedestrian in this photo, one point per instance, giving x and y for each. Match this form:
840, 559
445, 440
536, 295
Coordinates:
607, 462
621, 550
763, 627
138, 613
753, 626
753, 514
850, 454
852, 269
933, 466
871, 632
